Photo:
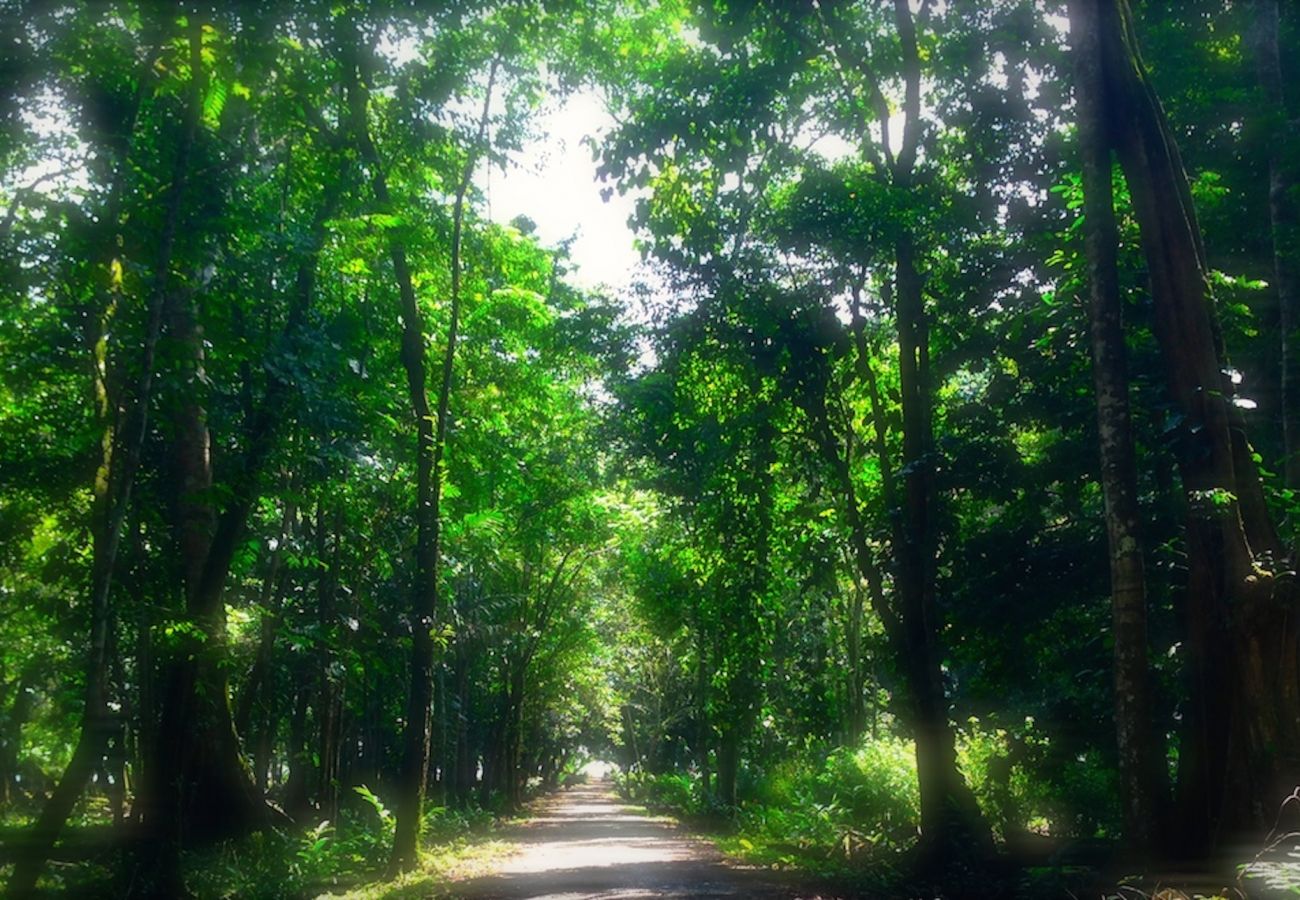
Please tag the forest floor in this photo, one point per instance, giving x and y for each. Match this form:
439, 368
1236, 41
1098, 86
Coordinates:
584, 842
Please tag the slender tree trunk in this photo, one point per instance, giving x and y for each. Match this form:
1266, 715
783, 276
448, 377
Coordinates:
424, 600
297, 790
327, 688
952, 826
267, 726
654, 738
703, 727
464, 764
440, 756
728, 766
271, 601
951, 823
512, 744
1141, 781
1284, 219
629, 729
855, 683
145, 671
11, 735
431, 435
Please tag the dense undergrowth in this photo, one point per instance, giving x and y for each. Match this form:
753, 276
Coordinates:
849, 814
346, 857
333, 856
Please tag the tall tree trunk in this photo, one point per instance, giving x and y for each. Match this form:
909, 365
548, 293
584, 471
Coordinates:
145, 670
464, 764
440, 756
431, 436
703, 727
629, 728
1241, 747
297, 790
728, 766
200, 788
264, 745
1284, 220
952, 826
327, 688
512, 746
854, 681
1141, 781
121, 444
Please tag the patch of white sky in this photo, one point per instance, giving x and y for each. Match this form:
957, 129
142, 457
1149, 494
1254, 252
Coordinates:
553, 182
59, 165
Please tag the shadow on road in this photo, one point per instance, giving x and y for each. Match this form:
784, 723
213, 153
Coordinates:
584, 843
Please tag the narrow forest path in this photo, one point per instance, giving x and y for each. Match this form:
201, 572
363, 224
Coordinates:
584, 842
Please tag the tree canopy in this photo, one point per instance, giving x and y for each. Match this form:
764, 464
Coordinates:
921, 512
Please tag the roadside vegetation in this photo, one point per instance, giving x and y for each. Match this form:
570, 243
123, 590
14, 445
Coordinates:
923, 509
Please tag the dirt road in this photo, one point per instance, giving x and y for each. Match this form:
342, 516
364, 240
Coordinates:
584, 844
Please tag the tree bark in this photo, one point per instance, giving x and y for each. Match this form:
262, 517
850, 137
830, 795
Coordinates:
431, 435
1241, 747
952, 826
1140, 769
121, 445
1284, 221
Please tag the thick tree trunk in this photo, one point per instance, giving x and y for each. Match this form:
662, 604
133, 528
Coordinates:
1141, 779
203, 789
114, 480
200, 788
1241, 747
951, 823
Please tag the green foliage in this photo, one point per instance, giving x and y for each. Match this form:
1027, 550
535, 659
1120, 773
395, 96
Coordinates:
676, 542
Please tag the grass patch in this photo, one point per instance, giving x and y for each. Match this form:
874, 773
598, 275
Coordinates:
440, 867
